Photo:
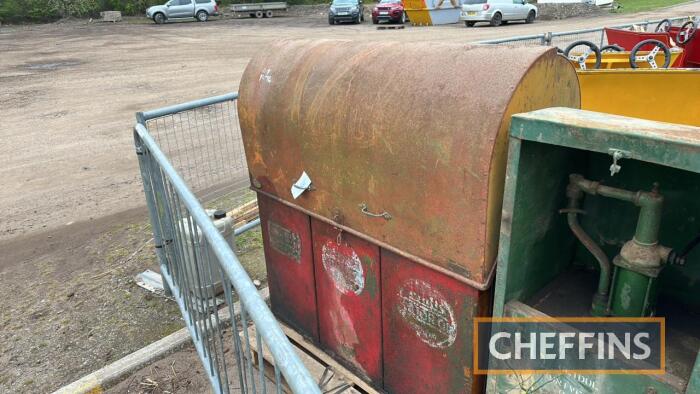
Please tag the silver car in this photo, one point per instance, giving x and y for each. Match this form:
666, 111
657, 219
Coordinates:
179, 9
497, 12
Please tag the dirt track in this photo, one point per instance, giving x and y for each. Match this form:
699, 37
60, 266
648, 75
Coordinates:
69, 92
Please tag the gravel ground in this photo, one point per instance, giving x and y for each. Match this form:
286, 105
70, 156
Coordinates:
71, 306
70, 91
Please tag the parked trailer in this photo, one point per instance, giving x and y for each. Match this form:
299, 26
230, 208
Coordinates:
259, 10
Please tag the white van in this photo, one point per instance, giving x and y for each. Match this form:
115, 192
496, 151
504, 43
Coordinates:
497, 12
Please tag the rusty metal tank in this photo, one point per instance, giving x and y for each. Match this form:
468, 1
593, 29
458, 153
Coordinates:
414, 133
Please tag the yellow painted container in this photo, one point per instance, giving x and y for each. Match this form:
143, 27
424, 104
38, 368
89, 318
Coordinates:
612, 60
666, 95
432, 12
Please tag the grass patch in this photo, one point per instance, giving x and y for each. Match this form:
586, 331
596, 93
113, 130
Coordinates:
248, 241
630, 6
231, 200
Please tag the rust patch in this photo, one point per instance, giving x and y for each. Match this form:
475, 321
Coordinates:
316, 113
284, 241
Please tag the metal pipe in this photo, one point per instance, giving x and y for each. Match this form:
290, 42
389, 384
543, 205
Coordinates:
596, 251
173, 109
647, 231
247, 226
572, 32
511, 39
599, 305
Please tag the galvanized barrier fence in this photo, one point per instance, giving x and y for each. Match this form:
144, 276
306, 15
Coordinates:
563, 39
202, 140
196, 260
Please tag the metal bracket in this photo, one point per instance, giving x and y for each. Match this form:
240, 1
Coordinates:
309, 188
617, 154
302, 185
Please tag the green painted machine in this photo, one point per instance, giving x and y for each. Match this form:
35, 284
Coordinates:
641, 259
601, 214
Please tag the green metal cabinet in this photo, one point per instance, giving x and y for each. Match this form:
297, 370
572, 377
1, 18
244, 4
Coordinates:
543, 270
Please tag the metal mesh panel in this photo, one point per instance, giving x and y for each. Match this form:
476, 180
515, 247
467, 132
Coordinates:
192, 273
563, 40
537, 39
205, 146
534, 41
229, 321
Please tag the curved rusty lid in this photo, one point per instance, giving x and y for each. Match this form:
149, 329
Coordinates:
414, 130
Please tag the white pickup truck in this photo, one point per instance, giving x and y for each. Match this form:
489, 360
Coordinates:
180, 9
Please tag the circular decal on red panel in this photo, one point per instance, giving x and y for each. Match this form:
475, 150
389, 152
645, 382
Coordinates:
344, 266
427, 311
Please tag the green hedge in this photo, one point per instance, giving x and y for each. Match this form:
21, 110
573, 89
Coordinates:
29, 10
17, 11
14, 11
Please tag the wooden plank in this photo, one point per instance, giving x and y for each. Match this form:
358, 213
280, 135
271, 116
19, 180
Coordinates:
250, 205
244, 213
332, 379
298, 340
247, 216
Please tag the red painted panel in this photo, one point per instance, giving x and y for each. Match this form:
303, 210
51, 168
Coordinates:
348, 289
427, 329
290, 270
628, 39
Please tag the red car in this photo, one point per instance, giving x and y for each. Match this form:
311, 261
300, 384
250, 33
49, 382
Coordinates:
389, 10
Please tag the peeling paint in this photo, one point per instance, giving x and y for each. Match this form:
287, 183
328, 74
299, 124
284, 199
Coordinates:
428, 312
344, 266
266, 76
371, 279
343, 328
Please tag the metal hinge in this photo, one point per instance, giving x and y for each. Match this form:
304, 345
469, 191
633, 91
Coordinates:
617, 155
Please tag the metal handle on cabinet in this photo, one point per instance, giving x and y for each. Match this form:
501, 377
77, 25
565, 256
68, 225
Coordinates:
365, 210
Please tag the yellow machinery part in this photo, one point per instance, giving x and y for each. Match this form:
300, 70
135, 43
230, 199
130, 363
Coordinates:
666, 95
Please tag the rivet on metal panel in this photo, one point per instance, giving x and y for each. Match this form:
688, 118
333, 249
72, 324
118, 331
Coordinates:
256, 183
337, 216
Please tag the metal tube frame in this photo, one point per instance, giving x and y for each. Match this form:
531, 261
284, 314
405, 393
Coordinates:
175, 215
546, 38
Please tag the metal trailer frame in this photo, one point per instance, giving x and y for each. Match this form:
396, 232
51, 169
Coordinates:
175, 211
251, 8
